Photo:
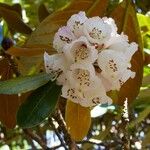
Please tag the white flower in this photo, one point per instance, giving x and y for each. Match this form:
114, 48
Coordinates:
96, 93
120, 43
71, 93
130, 50
87, 97
106, 83
80, 76
88, 88
117, 42
115, 67
112, 24
54, 64
80, 51
97, 30
92, 59
76, 96
63, 36
75, 23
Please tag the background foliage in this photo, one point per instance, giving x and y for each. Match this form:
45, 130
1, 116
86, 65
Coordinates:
108, 130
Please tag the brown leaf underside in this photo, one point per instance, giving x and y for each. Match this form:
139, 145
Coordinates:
9, 104
127, 22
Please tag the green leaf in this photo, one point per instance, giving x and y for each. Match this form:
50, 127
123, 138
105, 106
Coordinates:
14, 20
39, 105
141, 103
146, 71
144, 93
146, 140
23, 84
144, 22
141, 117
146, 81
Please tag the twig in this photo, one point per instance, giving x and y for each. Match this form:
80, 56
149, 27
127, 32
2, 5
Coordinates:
55, 147
57, 133
58, 117
106, 144
36, 138
91, 142
40, 133
30, 141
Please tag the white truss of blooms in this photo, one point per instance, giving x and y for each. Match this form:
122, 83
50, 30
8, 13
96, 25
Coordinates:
92, 59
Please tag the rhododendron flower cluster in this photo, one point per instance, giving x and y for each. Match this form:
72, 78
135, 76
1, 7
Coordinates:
92, 59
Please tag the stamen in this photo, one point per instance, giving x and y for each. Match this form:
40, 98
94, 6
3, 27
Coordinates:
83, 76
77, 25
81, 53
96, 33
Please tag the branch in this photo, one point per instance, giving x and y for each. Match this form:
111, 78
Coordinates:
55, 147
57, 133
91, 142
60, 120
35, 137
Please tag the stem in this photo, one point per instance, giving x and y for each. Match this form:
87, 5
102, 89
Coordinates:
57, 133
71, 143
35, 137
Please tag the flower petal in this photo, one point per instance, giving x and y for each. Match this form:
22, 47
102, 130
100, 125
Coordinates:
115, 68
63, 36
96, 92
70, 93
111, 22
132, 48
96, 30
54, 64
80, 76
80, 51
117, 42
112, 63
75, 23
106, 83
